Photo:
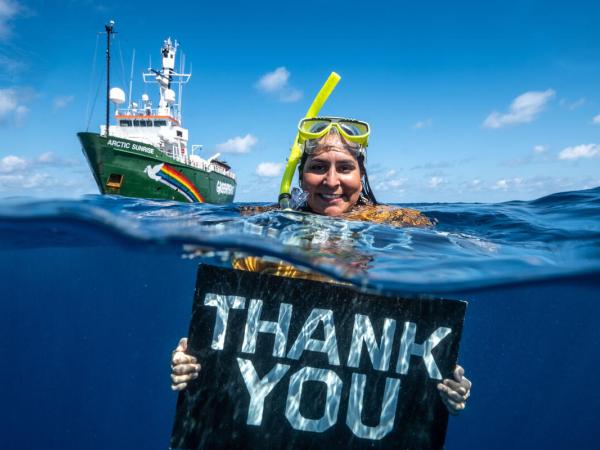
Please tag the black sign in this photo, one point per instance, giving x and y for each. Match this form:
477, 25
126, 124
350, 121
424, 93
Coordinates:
290, 363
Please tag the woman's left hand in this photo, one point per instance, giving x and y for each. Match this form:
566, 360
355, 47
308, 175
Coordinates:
455, 392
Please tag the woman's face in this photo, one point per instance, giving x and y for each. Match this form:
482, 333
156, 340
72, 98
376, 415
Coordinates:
332, 178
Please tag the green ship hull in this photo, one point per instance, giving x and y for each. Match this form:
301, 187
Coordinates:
133, 169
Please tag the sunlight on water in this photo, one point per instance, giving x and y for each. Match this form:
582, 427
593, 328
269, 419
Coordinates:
472, 245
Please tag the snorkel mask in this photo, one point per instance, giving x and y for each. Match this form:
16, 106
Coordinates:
355, 133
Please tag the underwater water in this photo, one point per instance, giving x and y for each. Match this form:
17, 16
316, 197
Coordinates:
97, 292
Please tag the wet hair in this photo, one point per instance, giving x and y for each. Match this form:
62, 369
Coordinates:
367, 197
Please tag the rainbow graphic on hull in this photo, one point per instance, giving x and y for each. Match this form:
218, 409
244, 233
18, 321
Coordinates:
165, 174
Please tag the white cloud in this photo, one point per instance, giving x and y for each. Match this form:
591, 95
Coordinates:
501, 184
274, 81
46, 158
12, 107
20, 114
580, 151
396, 183
596, 119
523, 109
11, 57
62, 101
238, 144
51, 159
12, 163
423, 124
11, 67
277, 83
8, 10
269, 169
438, 165
8, 102
290, 95
42, 175
44, 184
391, 184
518, 162
506, 184
386, 180
435, 182
572, 106
538, 155
26, 181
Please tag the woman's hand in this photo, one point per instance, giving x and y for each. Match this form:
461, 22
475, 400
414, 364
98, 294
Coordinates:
184, 367
455, 392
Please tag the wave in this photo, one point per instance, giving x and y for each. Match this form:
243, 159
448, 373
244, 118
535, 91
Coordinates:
473, 245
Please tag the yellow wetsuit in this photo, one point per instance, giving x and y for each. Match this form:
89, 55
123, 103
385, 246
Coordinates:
277, 268
389, 215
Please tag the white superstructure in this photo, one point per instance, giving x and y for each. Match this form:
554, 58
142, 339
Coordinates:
161, 126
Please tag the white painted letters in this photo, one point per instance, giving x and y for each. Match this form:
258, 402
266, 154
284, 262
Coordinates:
223, 303
254, 325
304, 341
409, 348
388, 408
332, 400
259, 388
363, 335
363, 331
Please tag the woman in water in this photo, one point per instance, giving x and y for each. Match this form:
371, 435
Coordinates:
334, 183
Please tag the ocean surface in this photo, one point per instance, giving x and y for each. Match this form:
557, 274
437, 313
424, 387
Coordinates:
96, 293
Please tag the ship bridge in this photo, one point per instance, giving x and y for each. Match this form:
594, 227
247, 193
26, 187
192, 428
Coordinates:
161, 125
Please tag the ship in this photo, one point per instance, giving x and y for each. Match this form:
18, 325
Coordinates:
145, 153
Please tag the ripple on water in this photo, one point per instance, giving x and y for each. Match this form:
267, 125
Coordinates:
472, 245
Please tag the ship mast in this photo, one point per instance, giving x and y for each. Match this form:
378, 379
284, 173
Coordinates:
109, 31
166, 78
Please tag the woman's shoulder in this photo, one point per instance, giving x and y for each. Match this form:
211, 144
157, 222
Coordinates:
384, 214
390, 215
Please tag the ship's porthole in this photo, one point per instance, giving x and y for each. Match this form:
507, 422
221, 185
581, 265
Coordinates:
115, 180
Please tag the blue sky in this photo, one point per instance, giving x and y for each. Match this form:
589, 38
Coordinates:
468, 101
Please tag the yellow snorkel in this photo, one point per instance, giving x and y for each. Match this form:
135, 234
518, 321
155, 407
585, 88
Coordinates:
296, 151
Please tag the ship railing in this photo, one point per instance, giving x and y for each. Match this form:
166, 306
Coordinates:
208, 167
139, 112
200, 164
150, 113
222, 171
115, 131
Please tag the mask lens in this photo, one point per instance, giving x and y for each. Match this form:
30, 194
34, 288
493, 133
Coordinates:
354, 132
314, 126
353, 128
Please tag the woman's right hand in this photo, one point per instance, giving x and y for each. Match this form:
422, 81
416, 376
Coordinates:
184, 367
